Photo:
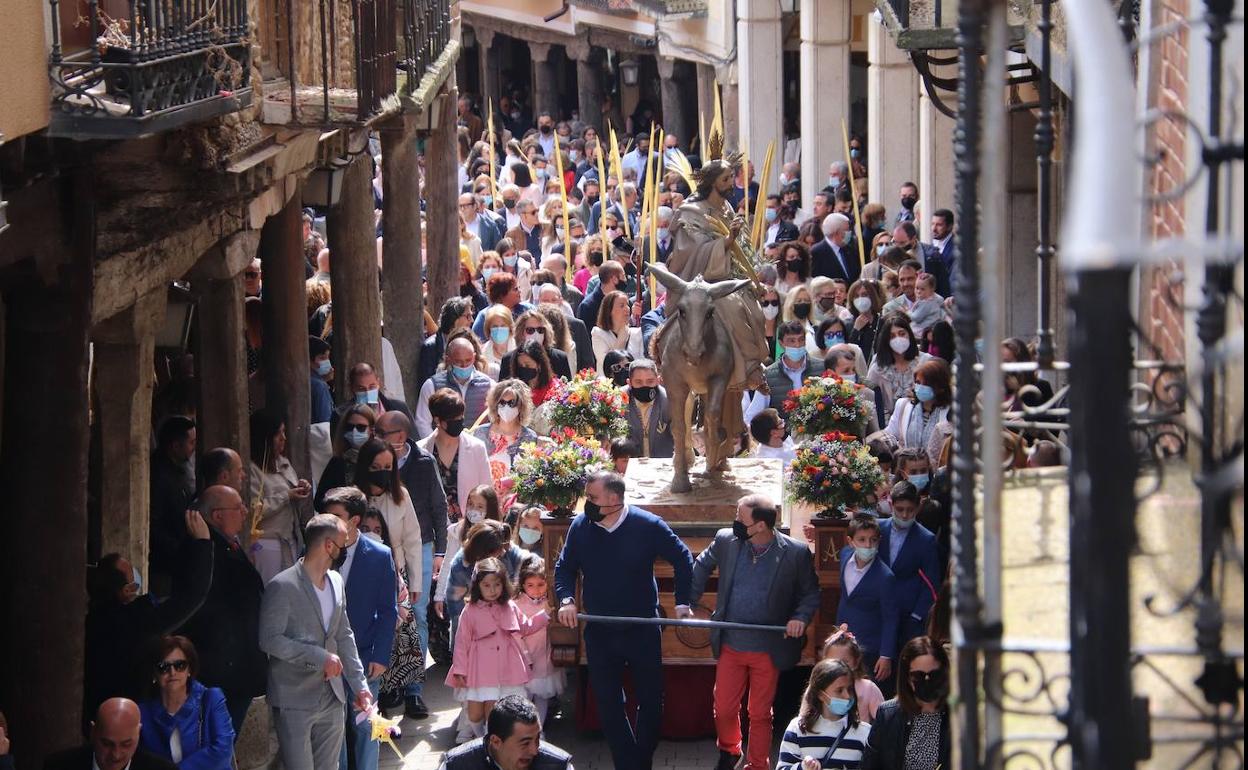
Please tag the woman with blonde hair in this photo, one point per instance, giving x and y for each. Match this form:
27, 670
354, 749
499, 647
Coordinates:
534, 326
497, 338
508, 405
612, 331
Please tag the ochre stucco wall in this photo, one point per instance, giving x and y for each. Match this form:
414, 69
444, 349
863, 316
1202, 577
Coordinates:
23, 68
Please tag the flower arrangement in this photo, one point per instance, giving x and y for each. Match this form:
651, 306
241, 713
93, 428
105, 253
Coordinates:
827, 404
588, 406
554, 474
836, 472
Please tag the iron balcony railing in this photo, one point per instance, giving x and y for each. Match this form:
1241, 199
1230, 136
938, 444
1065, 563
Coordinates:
931, 25
123, 68
426, 33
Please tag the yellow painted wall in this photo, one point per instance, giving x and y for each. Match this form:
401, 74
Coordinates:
23, 68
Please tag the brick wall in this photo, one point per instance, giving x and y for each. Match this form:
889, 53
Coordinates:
1161, 308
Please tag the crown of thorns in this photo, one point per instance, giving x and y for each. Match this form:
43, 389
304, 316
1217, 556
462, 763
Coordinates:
713, 168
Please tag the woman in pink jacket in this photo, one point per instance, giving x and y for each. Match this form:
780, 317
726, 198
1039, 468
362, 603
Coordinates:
490, 658
546, 680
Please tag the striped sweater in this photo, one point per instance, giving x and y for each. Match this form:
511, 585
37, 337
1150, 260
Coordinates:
818, 743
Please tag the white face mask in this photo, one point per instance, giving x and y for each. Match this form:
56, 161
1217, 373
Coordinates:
475, 515
770, 312
862, 304
508, 413
374, 536
899, 344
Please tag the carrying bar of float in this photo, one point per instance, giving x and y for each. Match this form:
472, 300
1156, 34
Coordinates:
685, 623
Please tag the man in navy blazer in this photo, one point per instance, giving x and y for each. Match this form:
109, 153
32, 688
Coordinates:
909, 549
832, 256
367, 569
869, 599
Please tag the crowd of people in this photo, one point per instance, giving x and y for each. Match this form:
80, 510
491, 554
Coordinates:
329, 593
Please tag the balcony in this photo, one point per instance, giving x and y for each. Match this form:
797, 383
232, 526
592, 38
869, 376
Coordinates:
128, 68
931, 25
348, 62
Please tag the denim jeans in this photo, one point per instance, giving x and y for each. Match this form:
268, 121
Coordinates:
359, 737
420, 608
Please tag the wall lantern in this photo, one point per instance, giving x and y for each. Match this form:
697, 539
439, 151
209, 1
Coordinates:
324, 185
630, 72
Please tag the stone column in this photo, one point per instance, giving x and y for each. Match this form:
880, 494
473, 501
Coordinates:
825, 78
217, 281
936, 177
759, 78
675, 120
545, 88
892, 116
729, 104
487, 62
124, 348
588, 83
353, 272
286, 364
403, 297
706, 100
43, 471
441, 215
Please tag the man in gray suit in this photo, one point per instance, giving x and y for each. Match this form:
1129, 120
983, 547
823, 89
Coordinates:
649, 415
306, 634
765, 578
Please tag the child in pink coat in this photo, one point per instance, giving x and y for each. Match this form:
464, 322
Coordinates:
842, 646
490, 659
547, 681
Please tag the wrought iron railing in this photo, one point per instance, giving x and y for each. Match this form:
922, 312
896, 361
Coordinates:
426, 32
155, 65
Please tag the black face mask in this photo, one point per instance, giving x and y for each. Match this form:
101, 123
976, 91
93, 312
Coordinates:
630, 270
620, 380
525, 373
454, 427
826, 303
801, 309
793, 266
546, 129
593, 512
590, 200
509, 204
644, 393
740, 530
908, 201
934, 688
340, 559
380, 479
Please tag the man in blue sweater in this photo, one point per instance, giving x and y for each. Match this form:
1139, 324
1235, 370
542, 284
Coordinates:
613, 547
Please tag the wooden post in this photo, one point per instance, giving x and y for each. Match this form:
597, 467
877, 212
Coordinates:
217, 281
43, 470
353, 275
286, 364
402, 294
124, 348
441, 195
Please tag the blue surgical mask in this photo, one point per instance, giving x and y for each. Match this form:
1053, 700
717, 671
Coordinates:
854, 152
323, 368
488, 200
902, 524
663, 233
462, 372
355, 438
919, 480
529, 536
865, 554
838, 707
367, 396
833, 339
923, 392
499, 334
794, 354
834, 181
881, 249
771, 215
511, 260
486, 272
850, 377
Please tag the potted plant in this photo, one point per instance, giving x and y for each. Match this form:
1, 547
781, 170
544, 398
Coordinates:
836, 472
827, 404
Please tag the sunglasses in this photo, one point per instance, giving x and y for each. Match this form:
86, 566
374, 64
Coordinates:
771, 303
617, 368
534, 330
919, 677
358, 428
165, 666
509, 402
250, 274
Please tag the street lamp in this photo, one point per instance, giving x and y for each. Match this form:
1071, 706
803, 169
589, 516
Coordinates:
630, 72
175, 331
324, 186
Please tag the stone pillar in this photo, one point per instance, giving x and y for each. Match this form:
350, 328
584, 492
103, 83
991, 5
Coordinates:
287, 375
441, 215
353, 271
760, 79
825, 79
403, 297
936, 177
729, 105
217, 281
892, 116
124, 348
588, 83
545, 87
487, 63
43, 471
675, 120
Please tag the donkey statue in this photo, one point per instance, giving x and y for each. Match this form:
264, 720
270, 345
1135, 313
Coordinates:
694, 352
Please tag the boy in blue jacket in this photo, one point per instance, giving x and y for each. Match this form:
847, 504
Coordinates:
868, 599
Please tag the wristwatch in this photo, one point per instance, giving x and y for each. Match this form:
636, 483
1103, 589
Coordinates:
567, 601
